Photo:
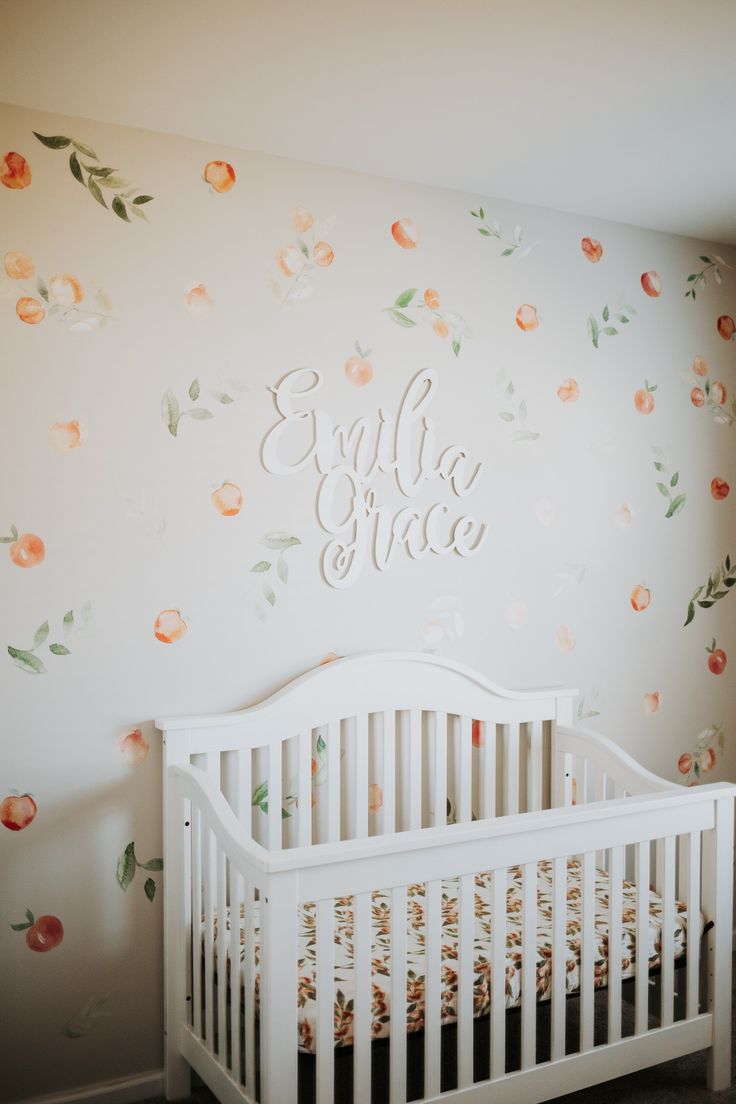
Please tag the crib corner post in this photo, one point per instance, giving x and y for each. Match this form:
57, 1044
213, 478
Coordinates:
176, 903
717, 894
279, 1023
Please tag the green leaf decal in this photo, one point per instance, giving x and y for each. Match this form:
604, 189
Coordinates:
84, 149
222, 397
142, 199
321, 745
260, 794
456, 348
405, 298
41, 633
593, 330
262, 565
401, 319
98, 170
663, 490
673, 480
27, 661
606, 314
283, 570
194, 390
55, 141
199, 414
152, 864
126, 867
279, 541
149, 887
76, 170
269, 595
59, 649
171, 412
68, 621
120, 209
95, 191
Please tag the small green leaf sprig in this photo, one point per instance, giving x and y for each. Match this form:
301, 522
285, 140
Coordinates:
127, 866
276, 542
622, 315
518, 418
172, 413
717, 587
27, 659
78, 318
494, 230
677, 501
88, 1017
704, 755
124, 201
587, 707
697, 280
454, 323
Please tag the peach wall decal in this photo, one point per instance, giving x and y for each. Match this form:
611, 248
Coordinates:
15, 172
220, 175
568, 392
298, 263
228, 499
527, 318
651, 283
444, 322
718, 585
622, 315
493, 230
198, 301
26, 550
66, 436
43, 934
128, 864
726, 327
19, 266
641, 598
17, 811
698, 280
358, 368
169, 626
124, 200
133, 747
719, 488
716, 659
60, 298
677, 502
709, 744
564, 639
644, 398
592, 249
405, 234
302, 220
651, 703
712, 394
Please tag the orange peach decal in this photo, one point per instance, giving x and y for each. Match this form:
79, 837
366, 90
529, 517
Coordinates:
29, 310
640, 598
228, 499
716, 659
704, 755
15, 172
302, 220
440, 327
431, 299
568, 391
197, 300
358, 368
43, 934
220, 176
17, 811
564, 639
700, 366
592, 249
526, 318
719, 488
404, 233
66, 436
375, 797
133, 747
477, 734
26, 550
65, 290
18, 266
444, 322
322, 254
651, 703
726, 327
644, 398
651, 284
169, 626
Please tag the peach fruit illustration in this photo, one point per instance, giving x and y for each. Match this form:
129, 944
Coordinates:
726, 327
219, 175
66, 436
27, 551
323, 254
564, 639
651, 703
716, 659
568, 391
197, 300
707, 759
719, 488
30, 310
592, 249
476, 734
651, 283
228, 499
169, 626
700, 366
375, 797
15, 172
685, 763
65, 290
301, 220
526, 317
718, 392
640, 598
43, 934
432, 298
358, 368
17, 811
697, 396
133, 747
290, 260
644, 399
18, 266
440, 327
624, 516
404, 233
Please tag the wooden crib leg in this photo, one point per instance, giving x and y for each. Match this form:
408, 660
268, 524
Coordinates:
176, 906
178, 1074
717, 891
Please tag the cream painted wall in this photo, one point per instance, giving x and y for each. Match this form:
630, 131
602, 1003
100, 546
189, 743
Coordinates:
128, 523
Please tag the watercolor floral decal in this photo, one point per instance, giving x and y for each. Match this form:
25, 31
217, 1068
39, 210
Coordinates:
445, 324
703, 757
677, 501
444, 622
17, 811
133, 747
651, 703
698, 280
512, 247
568, 392
169, 626
279, 543
518, 416
27, 659
404, 233
596, 329
228, 499
640, 598
220, 175
15, 172
358, 368
718, 585
127, 866
644, 398
719, 488
298, 263
88, 1017
26, 549
592, 249
42, 934
651, 284
124, 200
712, 394
172, 413
58, 297
726, 327
587, 707
716, 659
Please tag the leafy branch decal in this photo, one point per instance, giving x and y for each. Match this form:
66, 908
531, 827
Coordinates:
127, 866
277, 542
27, 659
723, 577
587, 707
518, 418
595, 329
172, 413
445, 322
493, 230
124, 200
675, 504
697, 280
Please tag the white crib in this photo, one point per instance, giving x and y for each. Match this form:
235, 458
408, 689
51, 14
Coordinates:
426, 775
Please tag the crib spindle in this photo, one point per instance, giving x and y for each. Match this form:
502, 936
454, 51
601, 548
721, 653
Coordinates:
397, 1057
249, 988
487, 769
534, 767
236, 900
498, 974
222, 944
304, 789
465, 782
197, 926
642, 938
244, 809
587, 953
389, 772
693, 924
325, 1002
559, 957
332, 786
510, 769
615, 918
466, 975
361, 775
668, 930
529, 965
432, 988
413, 784
439, 752
274, 796
362, 1021
208, 858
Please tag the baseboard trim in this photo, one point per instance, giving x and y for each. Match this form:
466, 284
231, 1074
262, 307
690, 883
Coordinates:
122, 1090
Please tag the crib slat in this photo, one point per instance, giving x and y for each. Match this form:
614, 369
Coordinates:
529, 966
466, 975
510, 769
389, 772
332, 786
361, 775
464, 786
559, 957
325, 1002
487, 769
222, 945
498, 974
397, 1055
415, 770
208, 859
668, 930
304, 789
362, 1021
693, 924
244, 784
249, 987
587, 953
432, 989
236, 898
534, 767
197, 927
615, 924
642, 937
439, 796
274, 796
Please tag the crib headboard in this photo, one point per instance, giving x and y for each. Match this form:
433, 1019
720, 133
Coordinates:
376, 743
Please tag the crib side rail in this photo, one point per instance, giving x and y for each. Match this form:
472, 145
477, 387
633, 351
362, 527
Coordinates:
588, 767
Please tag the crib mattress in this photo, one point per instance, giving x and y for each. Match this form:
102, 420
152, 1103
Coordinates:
381, 949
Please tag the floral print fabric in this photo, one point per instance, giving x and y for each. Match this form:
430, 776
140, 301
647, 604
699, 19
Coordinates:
381, 921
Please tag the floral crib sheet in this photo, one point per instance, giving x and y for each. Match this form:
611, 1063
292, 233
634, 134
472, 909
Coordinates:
381, 948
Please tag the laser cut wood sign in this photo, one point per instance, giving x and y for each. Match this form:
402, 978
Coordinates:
350, 459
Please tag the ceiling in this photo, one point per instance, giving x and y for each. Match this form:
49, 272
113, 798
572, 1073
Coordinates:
623, 110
